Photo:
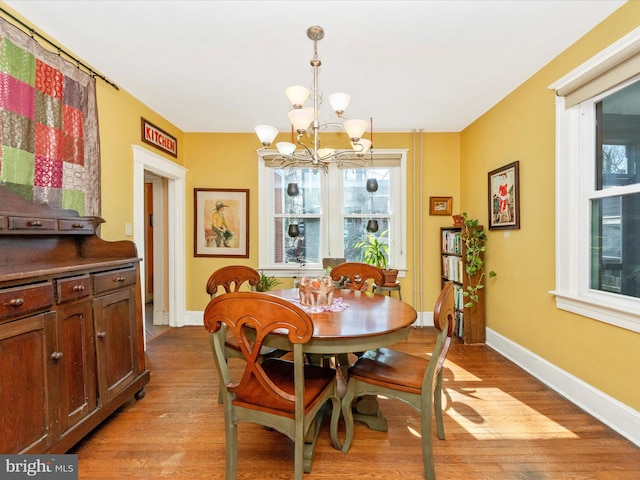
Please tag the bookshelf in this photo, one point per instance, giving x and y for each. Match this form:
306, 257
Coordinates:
470, 321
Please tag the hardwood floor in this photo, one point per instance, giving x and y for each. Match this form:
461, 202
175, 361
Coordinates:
500, 423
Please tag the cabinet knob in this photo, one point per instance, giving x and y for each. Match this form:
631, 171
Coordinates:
56, 355
120, 279
101, 334
77, 225
78, 288
16, 302
35, 223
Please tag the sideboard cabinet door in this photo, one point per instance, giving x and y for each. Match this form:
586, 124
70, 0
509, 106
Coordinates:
115, 322
28, 385
76, 363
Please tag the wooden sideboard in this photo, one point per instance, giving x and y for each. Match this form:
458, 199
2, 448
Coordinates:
71, 333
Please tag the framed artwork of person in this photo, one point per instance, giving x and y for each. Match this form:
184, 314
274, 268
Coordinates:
504, 197
221, 223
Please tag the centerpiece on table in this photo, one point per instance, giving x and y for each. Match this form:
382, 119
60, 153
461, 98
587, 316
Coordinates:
316, 292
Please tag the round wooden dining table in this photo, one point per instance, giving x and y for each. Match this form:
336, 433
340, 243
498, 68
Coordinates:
369, 321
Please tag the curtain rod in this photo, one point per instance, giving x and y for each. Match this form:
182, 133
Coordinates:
32, 32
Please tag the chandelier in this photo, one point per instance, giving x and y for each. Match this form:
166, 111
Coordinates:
305, 121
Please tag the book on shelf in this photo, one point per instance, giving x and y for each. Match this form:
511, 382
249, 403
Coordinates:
458, 296
459, 323
451, 241
452, 268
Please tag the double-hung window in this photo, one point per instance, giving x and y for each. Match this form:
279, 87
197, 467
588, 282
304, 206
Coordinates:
598, 187
307, 216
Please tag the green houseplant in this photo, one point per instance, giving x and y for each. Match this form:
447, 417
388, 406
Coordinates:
475, 241
375, 251
266, 283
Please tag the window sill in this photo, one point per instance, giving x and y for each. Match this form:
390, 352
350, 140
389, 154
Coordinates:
621, 312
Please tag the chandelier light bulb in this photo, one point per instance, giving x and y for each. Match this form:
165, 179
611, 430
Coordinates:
324, 153
285, 148
297, 95
301, 119
266, 134
339, 102
361, 147
355, 129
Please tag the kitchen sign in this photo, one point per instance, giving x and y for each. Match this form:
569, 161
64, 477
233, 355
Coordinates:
159, 138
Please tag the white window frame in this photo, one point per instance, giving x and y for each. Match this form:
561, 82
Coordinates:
575, 170
331, 212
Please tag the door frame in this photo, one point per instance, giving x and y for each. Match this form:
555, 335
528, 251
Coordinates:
144, 159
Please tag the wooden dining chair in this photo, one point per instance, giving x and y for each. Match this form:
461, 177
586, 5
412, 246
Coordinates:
287, 396
413, 380
231, 278
357, 274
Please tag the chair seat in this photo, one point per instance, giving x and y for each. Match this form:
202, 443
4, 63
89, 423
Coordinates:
388, 367
252, 395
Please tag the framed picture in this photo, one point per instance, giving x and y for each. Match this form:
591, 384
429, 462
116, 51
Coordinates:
504, 197
440, 205
221, 223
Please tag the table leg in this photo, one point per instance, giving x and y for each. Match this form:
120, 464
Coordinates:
366, 410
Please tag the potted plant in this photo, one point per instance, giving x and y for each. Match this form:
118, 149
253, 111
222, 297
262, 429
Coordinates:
375, 251
266, 283
475, 245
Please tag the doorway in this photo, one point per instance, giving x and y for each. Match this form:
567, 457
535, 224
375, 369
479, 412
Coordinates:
169, 269
155, 254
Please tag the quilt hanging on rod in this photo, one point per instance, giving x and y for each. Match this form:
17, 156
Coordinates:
50, 150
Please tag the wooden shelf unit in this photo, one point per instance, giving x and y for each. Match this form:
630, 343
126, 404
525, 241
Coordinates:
470, 326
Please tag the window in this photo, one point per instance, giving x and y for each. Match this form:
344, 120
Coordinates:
325, 215
598, 187
615, 202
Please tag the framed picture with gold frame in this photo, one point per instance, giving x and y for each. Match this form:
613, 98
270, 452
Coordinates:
440, 205
221, 223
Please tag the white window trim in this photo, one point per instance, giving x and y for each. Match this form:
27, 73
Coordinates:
575, 141
265, 215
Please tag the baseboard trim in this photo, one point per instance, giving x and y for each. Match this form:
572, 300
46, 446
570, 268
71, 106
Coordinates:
615, 414
193, 318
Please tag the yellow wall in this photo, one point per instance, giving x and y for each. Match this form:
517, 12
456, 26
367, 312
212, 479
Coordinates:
519, 306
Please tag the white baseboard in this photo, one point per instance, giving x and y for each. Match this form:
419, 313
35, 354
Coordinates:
194, 319
615, 414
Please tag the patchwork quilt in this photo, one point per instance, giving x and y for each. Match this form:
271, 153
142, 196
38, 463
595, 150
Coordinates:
49, 150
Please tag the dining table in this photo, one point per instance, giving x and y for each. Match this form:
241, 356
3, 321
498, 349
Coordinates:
356, 321
363, 321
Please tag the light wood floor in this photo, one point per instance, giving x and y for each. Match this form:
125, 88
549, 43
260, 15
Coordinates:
500, 423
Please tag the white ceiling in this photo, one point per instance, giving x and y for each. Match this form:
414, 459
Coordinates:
222, 66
